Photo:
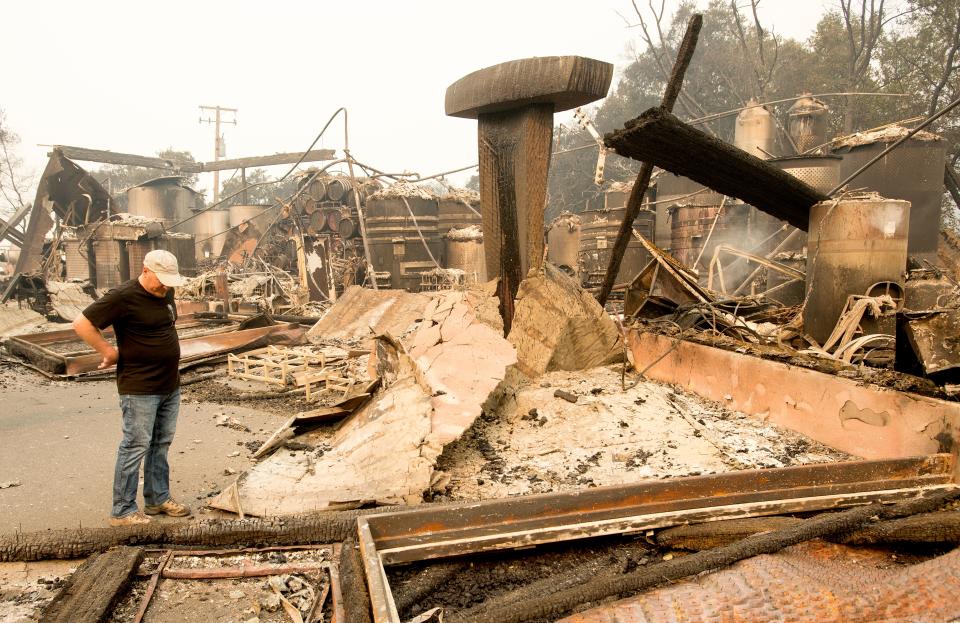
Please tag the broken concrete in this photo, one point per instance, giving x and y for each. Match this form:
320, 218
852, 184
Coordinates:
559, 326
866, 421
386, 451
361, 313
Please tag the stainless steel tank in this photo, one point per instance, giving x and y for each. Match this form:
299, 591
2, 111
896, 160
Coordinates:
563, 243
597, 235
206, 224
912, 172
464, 251
261, 217
808, 123
756, 131
165, 199
853, 244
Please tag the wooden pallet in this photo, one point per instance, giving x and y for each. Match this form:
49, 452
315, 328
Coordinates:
317, 383
273, 365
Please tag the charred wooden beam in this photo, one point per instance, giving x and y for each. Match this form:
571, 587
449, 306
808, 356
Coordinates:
660, 138
94, 587
642, 183
179, 166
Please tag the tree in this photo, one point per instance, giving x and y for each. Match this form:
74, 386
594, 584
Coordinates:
13, 181
265, 190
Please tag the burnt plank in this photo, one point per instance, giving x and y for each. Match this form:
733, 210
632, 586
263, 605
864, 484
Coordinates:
659, 138
94, 587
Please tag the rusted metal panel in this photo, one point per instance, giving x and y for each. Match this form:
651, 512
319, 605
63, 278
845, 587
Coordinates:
808, 583
393, 538
42, 350
936, 340
864, 420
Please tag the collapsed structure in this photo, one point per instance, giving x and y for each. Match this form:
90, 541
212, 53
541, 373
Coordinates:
789, 329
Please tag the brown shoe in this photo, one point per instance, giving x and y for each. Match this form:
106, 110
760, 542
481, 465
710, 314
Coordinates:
170, 507
133, 519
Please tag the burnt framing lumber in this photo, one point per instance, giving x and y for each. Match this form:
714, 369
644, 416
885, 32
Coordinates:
659, 138
635, 200
94, 587
455, 530
177, 166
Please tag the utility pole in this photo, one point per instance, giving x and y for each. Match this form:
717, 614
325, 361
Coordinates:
219, 149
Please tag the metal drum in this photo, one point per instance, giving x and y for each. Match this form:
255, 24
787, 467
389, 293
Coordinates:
912, 172
820, 172
853, 244
597, 235
563, 243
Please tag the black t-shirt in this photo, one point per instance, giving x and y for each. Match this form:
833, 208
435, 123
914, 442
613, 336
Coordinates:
146, 337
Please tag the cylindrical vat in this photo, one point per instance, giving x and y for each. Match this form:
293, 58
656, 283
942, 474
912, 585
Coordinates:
207, 224
820, 172
852, 244
338, 189
563, 243
808, 123
464, 251
164, 199
317, 189
691, 231
261, 217
598, 233
912, 172
673, 191
458, 210
755, 132
395, 244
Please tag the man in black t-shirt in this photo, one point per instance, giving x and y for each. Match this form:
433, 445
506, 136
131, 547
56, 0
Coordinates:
147, 355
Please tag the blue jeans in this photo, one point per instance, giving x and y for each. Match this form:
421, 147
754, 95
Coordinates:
149, 422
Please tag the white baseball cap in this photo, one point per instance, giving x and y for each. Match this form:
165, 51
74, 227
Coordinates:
164, 264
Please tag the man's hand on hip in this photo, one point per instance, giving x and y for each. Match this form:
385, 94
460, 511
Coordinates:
110, 358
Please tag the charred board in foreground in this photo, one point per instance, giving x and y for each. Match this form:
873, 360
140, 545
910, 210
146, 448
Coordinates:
659, 138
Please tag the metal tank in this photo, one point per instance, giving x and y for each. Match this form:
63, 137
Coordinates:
563, 243
464, 251
672, 191
261, 217
457, 210
205, 225
807, 123
165, 199
598, 233
696, 228
912, 172
395, 244
756, 131
853, 244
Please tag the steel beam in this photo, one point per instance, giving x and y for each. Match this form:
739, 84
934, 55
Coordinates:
393, 538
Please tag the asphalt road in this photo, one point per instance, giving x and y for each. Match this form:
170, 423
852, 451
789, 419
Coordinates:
59, 440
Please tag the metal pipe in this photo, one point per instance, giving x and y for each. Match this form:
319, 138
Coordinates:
896, 144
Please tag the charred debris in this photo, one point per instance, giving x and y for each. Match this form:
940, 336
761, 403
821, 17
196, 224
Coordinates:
769, 390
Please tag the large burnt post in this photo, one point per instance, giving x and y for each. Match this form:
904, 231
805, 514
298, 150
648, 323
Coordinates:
513, 104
